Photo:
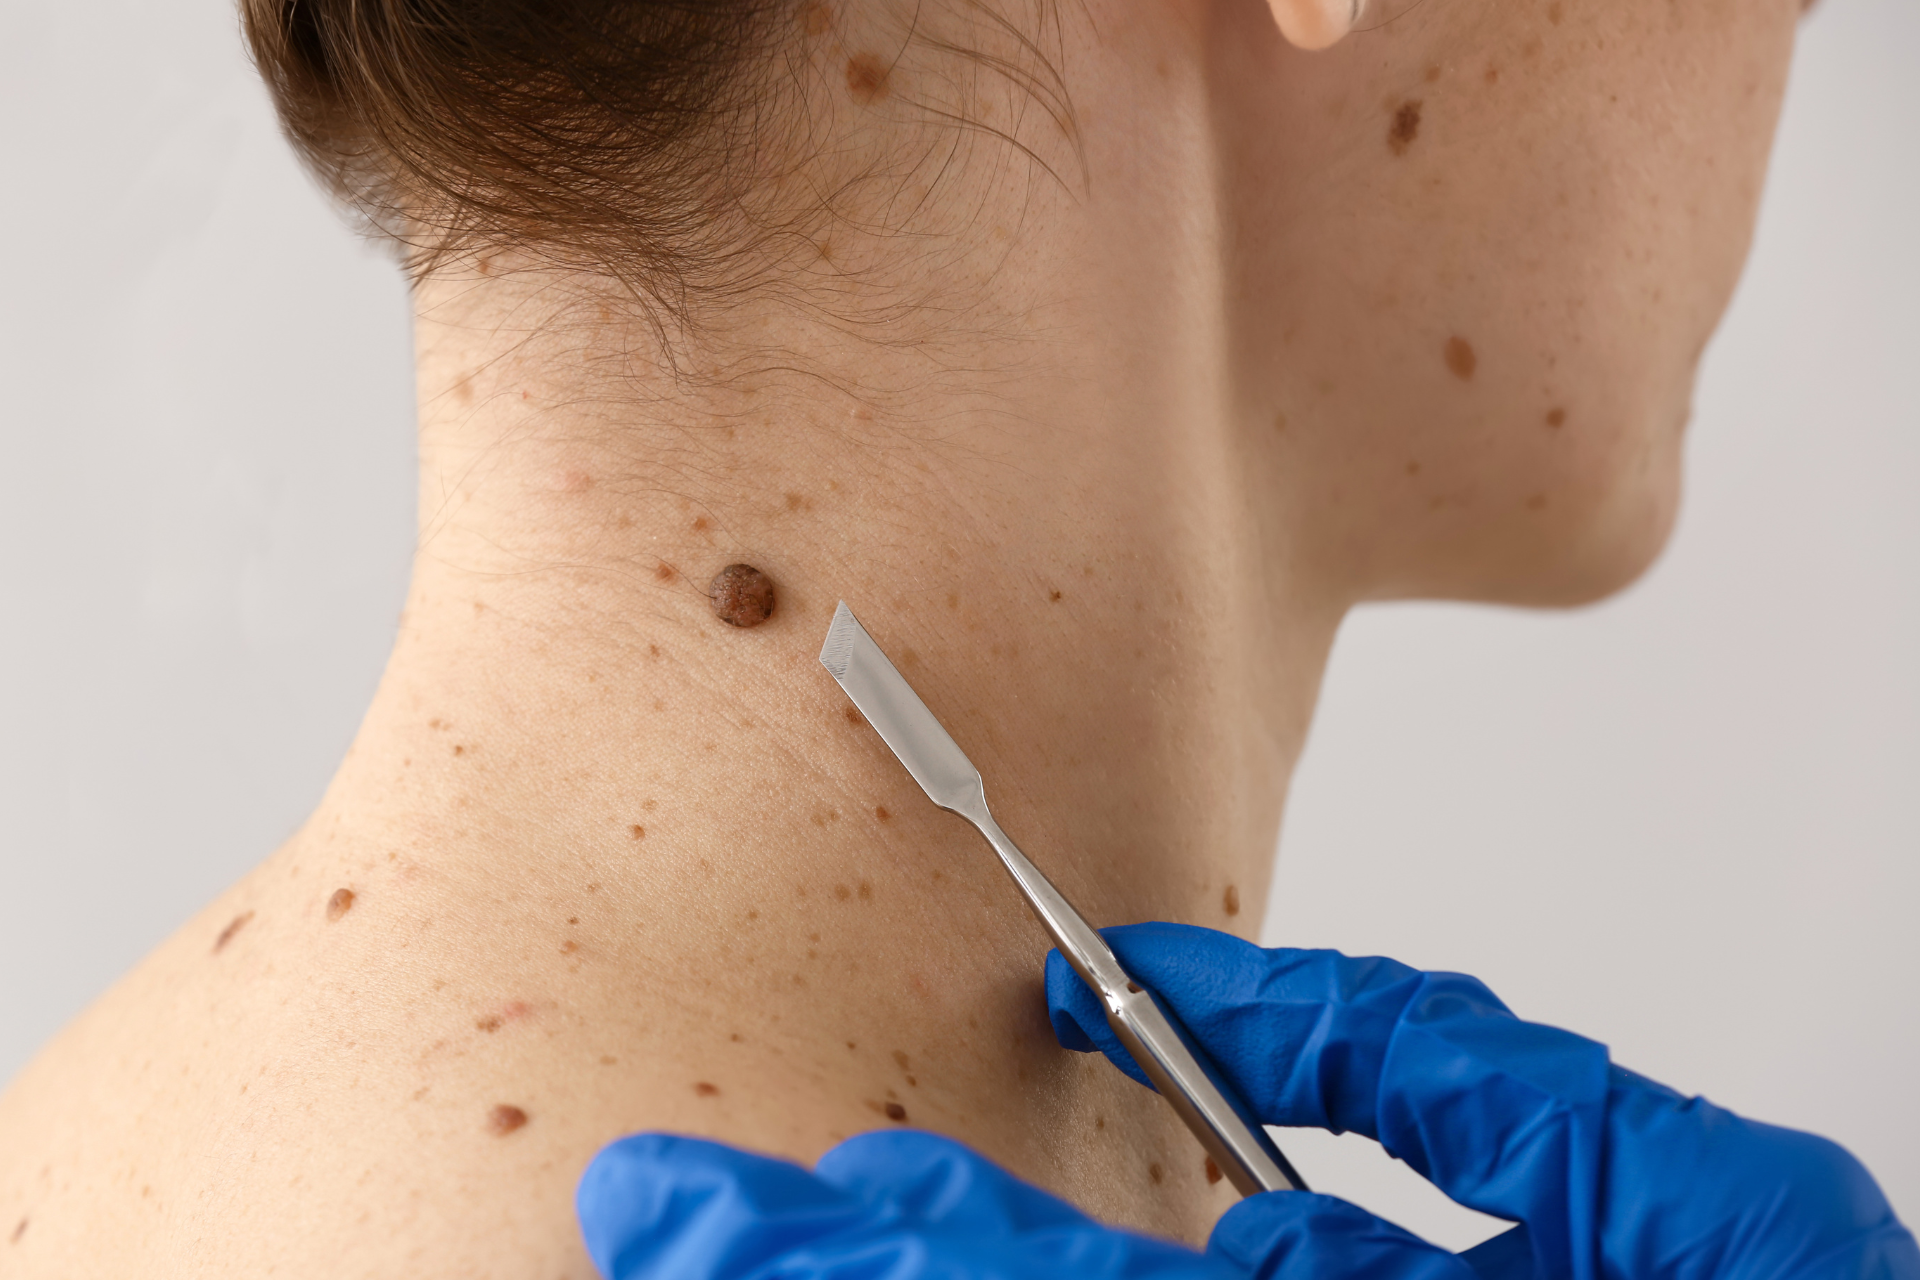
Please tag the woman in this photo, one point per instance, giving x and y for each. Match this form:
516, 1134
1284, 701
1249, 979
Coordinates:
1099, 355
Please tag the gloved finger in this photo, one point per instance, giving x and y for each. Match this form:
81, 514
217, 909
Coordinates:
656, 1205
892, 1206
1298, 1235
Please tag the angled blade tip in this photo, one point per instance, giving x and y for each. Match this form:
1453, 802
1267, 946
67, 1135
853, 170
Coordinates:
838, 648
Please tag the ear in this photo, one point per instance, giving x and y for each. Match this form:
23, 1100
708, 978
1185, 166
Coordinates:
1315, 24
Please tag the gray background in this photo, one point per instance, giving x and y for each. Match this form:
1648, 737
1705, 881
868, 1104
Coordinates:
1686, 822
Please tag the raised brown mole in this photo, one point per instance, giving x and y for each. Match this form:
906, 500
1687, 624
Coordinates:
896, 1113
705, 1089
742, 596
1231, 900
1405, 127
1556, 417
880, 812
339, 904
1158, 1174
1213, 1171
637, 831
504, 1119
234, 926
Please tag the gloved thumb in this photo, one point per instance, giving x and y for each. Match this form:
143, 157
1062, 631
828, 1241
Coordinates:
1299, 1235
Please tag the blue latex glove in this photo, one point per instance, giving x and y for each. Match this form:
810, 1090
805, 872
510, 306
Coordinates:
1611, 1176
906, 1205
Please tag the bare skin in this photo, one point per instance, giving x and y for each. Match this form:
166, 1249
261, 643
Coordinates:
1416, 315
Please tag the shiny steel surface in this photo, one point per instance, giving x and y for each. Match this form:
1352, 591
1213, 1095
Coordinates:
1177, 1066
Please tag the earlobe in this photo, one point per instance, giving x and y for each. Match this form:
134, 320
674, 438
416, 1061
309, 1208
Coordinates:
1315, 24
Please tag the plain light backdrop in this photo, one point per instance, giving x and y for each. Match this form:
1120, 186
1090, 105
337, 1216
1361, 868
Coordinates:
1685, 822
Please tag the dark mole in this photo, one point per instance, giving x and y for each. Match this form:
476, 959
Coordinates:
742, 596
1556, 417
339, 904
234, 926
1099, 1123
503, 1119
1460, 358
663, 571
1155, 1172
896, 1113
880, 812
1213, 1171
854, 717
866, 78
1405, 127
638, 832
1231, 900
1053, 595
706, 1090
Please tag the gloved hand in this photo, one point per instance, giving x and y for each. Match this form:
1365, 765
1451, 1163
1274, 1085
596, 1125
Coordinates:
1611, 1176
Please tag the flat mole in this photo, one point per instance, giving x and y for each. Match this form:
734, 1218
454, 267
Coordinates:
742, 596
339, 904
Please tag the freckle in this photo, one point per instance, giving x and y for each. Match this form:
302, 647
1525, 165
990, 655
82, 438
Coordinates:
880, 812
573, 919
1405, 127
866, 891
735, 1037
866, 78
1493, 75
1556, 417
1554, 14
742, 596
799, 981
1158, 1174
1537, 502
842, 892
938, 876
798, 502
234, 926
593, 888
700, 524
1231, 900
664, 572
608, 1060
568, 947
1099, 1123
953, 600
637, 831
478, 608
1433, 72
488, 1024
1213, 1171
503, 1119
896, 1113
575, 482
459, 750
339, 904
706, 1090
753, 915
1053, 595
900, 1058
852, 1045
653, 651
1461, 358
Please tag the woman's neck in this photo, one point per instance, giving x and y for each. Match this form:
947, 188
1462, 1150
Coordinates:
630, 805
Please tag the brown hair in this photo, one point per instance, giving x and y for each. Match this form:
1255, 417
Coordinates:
659, 143
601, 133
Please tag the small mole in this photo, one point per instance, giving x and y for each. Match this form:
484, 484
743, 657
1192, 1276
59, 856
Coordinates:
18, 1231
866, 78
1460, 358
900, 1057
1053, 595
608, 1060
1213, 1171
1433, 72
880, 812
1279, 422
573, 919
459, 750
488, 1024
1537, 502
234, 926
1556, 417
1405, 127
1231, 900
852, 1045
742, 596
568, 947
663, 571
753, 915
896, 1113
339, 904
503, 1119
841, 892
1158, 1174
854, 716
1099, 1123
700, 524
1492, 76
735, 1037
637, 831
798, 502
1413, 468
866, 892
1554, 14
706, 1090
